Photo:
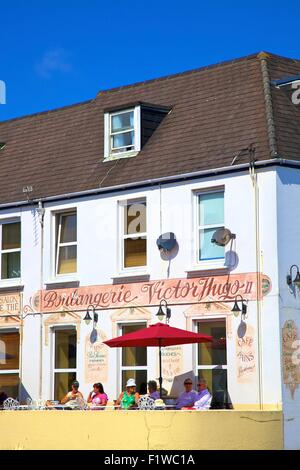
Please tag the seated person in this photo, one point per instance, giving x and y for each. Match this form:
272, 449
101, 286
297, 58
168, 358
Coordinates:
203, 399
143, 389
188, 397
129, 398
152, 388
3, 397
73, 394
97, 397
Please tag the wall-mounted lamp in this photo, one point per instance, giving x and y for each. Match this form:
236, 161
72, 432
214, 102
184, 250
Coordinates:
160, 314
88, 317
289, 277
236, 309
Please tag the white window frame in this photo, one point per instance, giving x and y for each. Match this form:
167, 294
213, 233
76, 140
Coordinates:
122, 237
108, 155
57, 216
212, 262
13, 371
197, 367
54, 329
120, 367
12, 250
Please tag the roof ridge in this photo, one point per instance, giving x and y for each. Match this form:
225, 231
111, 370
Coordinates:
61, 108
270, 121
179, 74
267, 55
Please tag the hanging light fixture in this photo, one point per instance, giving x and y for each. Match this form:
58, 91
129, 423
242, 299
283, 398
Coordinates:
160, 314
289, 277
236, 309
88, 317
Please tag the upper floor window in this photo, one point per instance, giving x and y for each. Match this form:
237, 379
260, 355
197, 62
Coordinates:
66, 243
122, 133
134, 236
10, 243
210, 218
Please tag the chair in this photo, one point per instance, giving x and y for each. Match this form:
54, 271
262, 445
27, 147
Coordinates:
82, 404
146, 403
220, 400
10, 404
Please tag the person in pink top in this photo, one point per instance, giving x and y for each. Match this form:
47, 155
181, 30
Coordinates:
97, 397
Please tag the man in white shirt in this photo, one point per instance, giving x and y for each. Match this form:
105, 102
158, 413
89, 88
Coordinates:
204, 397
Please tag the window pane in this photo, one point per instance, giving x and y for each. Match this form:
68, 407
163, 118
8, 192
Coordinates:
62, 383
9, 386
68, 228
211, 208
140, 377
212, 353
11, 236
216, 379
65, 349
10, 265
133, 356
67, 260
9, 350
122, 122
209, 250
123, 140
135, 252
135, 217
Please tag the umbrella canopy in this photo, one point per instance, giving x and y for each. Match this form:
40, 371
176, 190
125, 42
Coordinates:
159, 335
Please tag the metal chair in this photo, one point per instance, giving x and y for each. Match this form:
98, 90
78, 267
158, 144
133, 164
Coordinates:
82, 404
146, 403
10, 404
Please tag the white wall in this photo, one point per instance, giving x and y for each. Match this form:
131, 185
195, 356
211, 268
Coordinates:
288, 184
98, 263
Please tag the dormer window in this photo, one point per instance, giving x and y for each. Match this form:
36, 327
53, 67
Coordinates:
128, 129
122, 133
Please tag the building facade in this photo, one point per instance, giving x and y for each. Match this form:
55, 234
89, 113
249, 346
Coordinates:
87, 192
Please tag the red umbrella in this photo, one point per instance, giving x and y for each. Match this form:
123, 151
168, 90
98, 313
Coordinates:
159, 335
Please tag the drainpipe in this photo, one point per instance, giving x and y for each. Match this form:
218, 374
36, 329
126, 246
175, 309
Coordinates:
253, 176
40, 213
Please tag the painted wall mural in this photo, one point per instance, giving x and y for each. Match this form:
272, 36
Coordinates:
172, 364
62, 318
291, 356
246, 356
96, 358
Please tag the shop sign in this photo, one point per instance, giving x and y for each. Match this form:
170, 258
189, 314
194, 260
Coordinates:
10, 304
174, 291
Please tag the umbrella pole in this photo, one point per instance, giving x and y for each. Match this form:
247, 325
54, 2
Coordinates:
160, 377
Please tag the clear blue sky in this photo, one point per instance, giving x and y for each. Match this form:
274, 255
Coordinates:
55, 53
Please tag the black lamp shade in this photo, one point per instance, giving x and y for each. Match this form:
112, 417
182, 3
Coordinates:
297, 279
160, 314
236, 308
87, 318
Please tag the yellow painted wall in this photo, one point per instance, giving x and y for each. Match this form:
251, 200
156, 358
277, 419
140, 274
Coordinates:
154, 430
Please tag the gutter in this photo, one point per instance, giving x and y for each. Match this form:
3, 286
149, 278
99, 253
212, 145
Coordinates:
156, 181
